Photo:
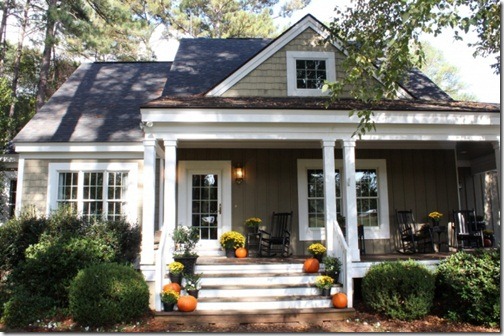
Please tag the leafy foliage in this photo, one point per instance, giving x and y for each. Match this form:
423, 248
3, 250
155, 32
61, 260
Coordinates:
399, 289
469, 287
108, 293
379, 36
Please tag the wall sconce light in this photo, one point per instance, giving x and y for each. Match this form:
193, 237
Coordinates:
239, 173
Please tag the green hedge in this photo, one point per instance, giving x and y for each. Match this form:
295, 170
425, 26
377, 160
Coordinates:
399, 289
468, 286
106, 294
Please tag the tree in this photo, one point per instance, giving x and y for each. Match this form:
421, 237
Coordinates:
229, 18
379, 35
444, 74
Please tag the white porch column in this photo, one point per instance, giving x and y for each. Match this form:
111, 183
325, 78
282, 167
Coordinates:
350, 193
329, 194
170, 194
149, 186
498, 163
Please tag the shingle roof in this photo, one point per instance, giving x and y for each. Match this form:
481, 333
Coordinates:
201, 63
98, 103
309, 103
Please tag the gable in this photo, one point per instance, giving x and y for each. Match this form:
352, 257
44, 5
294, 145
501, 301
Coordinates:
270, 78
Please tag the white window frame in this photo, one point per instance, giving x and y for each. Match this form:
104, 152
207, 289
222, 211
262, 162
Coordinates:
293, 56
315, 234
85, 167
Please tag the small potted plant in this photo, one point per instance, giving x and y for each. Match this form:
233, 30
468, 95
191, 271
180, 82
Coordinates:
252, 224
192, 284
332, 267
169, 299
230, 241
185, 239
175, 270
435, 217
324, 283
317, 250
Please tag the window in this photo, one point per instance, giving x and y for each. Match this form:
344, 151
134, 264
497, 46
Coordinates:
12, 197
95, 190
315, 198
372, 198
307, 72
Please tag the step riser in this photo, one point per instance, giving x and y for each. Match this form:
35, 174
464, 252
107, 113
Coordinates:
247, 269
301, 280
298, 304
236, 293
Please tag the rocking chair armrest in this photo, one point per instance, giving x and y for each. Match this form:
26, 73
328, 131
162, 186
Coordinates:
265, 233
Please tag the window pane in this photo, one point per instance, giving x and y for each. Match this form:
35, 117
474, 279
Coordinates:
310, 74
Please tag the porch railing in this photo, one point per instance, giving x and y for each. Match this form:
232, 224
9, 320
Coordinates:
341, 251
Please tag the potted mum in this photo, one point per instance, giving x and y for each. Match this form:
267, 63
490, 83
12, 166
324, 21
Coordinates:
230, 241
185, 239
252, 224
435, 217
324, 283
169, 299
317, 250
175, 270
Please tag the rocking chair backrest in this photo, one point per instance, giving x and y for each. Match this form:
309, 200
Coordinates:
465, 221
280, 222
406, 221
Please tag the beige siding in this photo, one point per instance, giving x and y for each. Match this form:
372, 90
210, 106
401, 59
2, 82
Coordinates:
421, 180
270, 78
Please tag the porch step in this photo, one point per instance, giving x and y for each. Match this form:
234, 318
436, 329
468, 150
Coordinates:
246, 285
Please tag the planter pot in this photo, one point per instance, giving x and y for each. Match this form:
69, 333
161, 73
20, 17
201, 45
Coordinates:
188, 262
193, 292
230, 252
252, 229
168, 307
176, 278
325, 292
319, 257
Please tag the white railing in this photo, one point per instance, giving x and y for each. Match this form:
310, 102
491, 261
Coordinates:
160, 269
341, 251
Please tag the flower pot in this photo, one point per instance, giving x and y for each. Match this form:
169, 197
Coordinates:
188, 262
177, 278
325, 292
167, 307
230, 252
319, 257
193, 292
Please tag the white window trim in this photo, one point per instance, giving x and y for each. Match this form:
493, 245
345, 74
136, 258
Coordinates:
292, 56
315, 234
81, 167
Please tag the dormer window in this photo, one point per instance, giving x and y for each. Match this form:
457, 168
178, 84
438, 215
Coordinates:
307, 71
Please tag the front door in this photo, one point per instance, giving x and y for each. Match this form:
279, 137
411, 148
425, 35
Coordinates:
205, 201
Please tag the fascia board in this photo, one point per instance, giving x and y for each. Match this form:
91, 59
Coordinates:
78, 147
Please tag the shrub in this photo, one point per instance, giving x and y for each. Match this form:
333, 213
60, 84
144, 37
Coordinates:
15, 237
468, 286
400, 289
25, 308
52, 263
108, 293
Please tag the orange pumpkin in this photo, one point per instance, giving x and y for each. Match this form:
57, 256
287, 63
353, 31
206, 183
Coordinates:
187, 303
175, 286
311, 265
241, 252
339, 300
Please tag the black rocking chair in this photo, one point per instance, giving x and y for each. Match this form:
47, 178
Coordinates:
277, 240
410, 239
467, 229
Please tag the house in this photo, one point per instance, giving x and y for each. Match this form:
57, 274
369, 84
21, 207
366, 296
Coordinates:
158, 142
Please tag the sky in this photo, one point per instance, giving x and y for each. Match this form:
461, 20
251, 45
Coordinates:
474, 72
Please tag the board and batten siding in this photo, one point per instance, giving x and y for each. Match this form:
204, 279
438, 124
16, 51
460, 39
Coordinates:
421, 180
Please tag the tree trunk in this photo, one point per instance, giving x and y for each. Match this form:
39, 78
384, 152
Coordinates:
8, 5
46, 56
17, 59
